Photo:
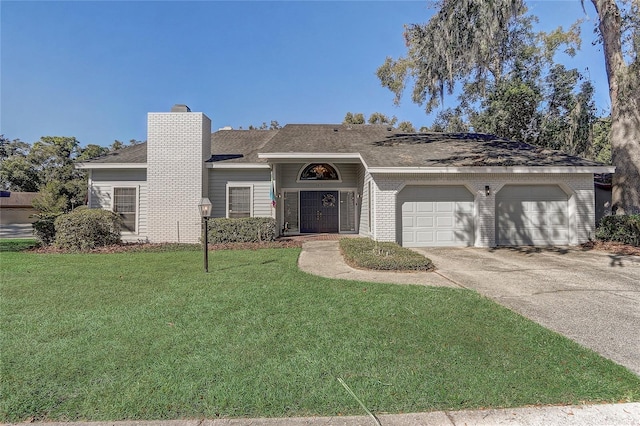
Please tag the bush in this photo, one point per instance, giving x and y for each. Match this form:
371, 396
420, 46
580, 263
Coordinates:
44, 229
368, 254
242, 230
621, 228
84, 229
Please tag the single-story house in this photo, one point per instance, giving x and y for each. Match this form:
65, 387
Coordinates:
418, 189
16, 208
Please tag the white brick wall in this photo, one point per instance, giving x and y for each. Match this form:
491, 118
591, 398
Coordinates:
578, 186
178, 143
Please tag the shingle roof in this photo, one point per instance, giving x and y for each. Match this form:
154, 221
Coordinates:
239, 146
17, 199
130, 154
236, 146
379, 146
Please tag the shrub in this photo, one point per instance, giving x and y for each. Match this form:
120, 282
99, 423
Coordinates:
242, 230
84, 229
621, 228
44, 229
368, 254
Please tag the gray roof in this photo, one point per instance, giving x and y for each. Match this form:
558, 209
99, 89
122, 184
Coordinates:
239, 146
130, 154
382, 146
379, 146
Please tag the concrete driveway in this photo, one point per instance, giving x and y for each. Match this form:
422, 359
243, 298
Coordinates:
591, 297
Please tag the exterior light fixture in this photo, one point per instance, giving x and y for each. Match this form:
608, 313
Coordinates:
205, 211
487, 190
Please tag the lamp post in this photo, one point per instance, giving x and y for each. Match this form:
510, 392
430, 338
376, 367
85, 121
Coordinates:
205, 212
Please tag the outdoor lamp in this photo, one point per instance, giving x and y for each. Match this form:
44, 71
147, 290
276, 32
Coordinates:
205, 212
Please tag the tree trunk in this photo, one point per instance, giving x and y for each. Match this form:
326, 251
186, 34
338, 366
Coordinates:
624, 90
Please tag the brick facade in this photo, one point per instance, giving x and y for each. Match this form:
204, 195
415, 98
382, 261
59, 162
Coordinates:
178, 143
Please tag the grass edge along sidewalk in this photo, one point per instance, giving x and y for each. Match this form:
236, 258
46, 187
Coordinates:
150, 336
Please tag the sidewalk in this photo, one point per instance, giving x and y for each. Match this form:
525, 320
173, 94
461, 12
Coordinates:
586, 415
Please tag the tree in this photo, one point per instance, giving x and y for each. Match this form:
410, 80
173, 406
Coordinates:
620, 32
357, 118
274, 125
487, 48
406, 127
450, 121
116, 145
10, 148
55, 156
19, 174
92, 151
380, 118
601, 142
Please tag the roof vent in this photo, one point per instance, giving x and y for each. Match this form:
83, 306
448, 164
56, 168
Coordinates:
180, 108
335, 130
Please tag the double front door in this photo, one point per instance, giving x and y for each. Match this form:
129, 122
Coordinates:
319, 211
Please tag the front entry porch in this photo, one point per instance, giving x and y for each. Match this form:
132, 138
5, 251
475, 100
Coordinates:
330, 211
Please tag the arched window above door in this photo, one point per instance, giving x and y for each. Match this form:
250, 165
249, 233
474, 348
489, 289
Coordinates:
319, 171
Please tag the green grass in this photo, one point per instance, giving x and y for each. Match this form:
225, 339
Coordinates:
17, 244
151, 336
368, 254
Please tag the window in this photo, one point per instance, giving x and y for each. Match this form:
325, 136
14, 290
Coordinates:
291, 212
319, 172
369, 207
239, 201
347, 211
124, 203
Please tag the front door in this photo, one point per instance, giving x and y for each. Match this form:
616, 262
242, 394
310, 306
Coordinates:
318, 211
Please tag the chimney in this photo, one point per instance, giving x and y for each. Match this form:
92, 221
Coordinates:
180, 108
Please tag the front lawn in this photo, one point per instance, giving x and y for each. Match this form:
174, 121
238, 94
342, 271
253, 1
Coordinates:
151, 336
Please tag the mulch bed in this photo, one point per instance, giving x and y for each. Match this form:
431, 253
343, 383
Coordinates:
291, 242
159, 247
612, 247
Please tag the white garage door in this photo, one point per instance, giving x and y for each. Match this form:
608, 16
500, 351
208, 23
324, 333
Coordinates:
532, 215
436, 216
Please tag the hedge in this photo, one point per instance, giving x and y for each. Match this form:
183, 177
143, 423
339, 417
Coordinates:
84, 229
621, 228
44, 229
242, 230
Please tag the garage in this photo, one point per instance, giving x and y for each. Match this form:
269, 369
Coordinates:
535, 215
436, 216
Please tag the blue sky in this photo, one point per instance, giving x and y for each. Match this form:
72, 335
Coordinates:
93, 69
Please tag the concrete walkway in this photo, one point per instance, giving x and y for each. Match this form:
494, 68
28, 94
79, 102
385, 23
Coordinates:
323, 258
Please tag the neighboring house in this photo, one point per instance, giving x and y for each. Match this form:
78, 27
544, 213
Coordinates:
422, 189
16, 208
